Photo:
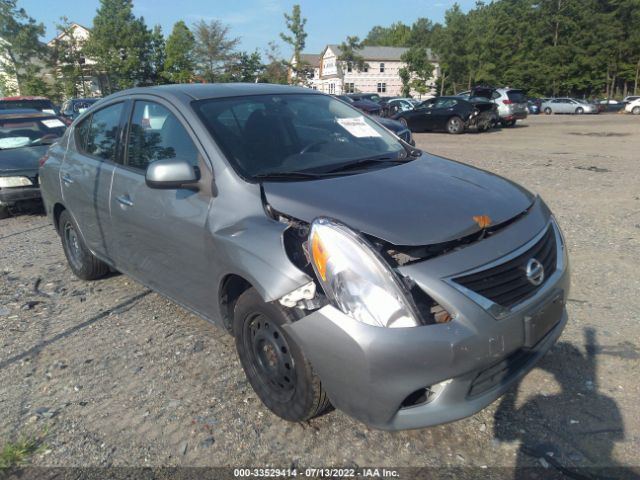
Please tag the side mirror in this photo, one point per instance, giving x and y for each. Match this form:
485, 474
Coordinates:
171, 174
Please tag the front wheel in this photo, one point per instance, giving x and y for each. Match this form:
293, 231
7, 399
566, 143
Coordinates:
80, 259
403, 121
547, 111
579, 111
635, 111
455, 125
274, 364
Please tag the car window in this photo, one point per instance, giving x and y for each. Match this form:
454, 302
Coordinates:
517, 96
102, 134
266, 134
16, 132
157, 134
445, 103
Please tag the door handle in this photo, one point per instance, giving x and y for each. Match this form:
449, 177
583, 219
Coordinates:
66, 178
125, 200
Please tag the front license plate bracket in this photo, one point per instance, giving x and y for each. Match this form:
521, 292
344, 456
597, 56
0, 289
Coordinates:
538, 325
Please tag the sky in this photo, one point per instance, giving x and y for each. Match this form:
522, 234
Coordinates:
257, 22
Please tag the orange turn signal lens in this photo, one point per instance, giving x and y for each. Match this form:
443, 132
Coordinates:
320, 256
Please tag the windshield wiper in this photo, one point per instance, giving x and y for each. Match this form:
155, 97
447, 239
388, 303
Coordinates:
286, 175
368, 162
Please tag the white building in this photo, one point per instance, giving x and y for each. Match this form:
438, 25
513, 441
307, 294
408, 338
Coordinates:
88, 84
382, 74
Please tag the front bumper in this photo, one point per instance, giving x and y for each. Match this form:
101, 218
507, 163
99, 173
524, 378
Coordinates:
14, 195
368, 372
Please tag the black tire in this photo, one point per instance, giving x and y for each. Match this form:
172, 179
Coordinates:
579, 111
274, 364
4, 212
455, 125
508, 123
81, 261
403, 121
635, 111
547, 111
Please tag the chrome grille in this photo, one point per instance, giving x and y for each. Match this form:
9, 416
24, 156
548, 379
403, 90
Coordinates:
506, 284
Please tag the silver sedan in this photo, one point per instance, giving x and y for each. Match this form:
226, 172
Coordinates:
568, 105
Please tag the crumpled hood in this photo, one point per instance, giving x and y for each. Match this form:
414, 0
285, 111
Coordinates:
21, 160
427, 201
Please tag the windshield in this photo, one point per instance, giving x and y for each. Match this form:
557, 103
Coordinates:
279, 134
26, 132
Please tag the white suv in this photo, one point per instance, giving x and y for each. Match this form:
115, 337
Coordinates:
511, 102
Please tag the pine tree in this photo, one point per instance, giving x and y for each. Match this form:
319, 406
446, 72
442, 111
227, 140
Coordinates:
297, 39
179, 63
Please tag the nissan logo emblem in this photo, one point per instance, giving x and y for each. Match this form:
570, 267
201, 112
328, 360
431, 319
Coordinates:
535, 272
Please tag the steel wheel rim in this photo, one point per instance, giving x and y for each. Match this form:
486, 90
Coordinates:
270, 356
454, 125
73, 245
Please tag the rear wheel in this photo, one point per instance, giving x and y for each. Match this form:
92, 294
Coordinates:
547, 111
403, 121
636, 110
579, 111
508, 123
274, 364
455, 125
4, 212
81, 261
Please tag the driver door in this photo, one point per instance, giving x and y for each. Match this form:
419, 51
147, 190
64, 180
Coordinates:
159, 235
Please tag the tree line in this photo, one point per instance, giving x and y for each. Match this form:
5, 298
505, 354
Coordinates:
582, 48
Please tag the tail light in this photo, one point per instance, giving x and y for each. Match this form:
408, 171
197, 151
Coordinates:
43, 160
507, 102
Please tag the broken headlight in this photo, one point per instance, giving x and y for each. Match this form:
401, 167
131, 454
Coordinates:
356, 279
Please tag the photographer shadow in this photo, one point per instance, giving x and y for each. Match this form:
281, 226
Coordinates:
570, 434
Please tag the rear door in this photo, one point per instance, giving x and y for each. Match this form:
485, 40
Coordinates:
518, 99
86, 172
159, 235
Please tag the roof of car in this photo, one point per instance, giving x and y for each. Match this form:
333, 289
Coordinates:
200, 91
27, 97
23, 113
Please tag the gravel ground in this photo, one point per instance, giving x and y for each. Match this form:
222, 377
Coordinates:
116, 375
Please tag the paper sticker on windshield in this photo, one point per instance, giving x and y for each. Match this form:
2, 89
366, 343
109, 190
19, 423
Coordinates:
52, 123
357, 127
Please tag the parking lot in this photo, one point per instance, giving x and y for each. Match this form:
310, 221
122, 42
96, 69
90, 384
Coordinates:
112, 374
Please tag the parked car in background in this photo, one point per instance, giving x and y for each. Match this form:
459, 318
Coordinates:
351, 268
630, 98
392, 106
569, 106
25, 136
367, 106
372, 97
72, 108
533, 106
633, 107
611, 105
42, 104
451, 114
511, 102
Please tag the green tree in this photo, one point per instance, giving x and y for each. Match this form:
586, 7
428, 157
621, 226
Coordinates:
349, 54
120, 44
396, 35
213, 50
419, 69
179, 63
247, 67
297, 39
276, 69
20, 46
156, 56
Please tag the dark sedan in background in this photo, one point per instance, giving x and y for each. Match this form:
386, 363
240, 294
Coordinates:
25, 136
367, 106
451, 114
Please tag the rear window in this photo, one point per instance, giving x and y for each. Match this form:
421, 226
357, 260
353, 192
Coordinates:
42, 105
517, 96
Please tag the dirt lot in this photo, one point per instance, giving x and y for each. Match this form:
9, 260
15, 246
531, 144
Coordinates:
115, 375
